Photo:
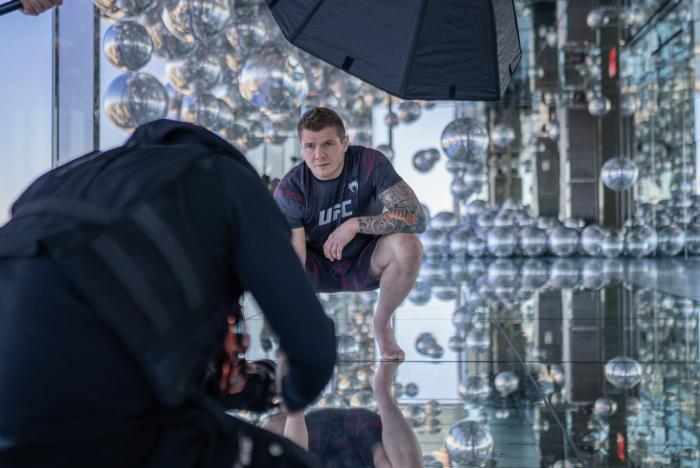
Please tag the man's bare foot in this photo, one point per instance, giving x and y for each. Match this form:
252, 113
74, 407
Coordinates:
389, 349
384, 377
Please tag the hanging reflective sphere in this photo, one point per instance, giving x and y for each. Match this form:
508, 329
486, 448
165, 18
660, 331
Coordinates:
196, 20
619, 173
502, 241
273, 80
502, 135
506, 383
422, 162
464, 139
120, 9
468, 443
166, 46
391, 120
253, 26
459, 189
207, 111
474, 389
197, 73
409, 112
604, 407
623, 372
532, 241
598, 106
127, 45
563, 242
592, 240
670, 240
133, 99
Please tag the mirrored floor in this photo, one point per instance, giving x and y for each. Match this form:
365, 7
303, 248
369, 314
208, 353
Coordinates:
529, 363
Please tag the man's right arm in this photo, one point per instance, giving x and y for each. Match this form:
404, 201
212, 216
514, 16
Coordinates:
299, 243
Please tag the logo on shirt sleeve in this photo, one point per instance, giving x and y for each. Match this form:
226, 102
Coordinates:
353, 186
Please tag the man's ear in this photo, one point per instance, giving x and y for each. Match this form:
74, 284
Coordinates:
346, 142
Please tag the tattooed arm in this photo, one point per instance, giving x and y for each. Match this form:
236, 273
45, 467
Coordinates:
404, 213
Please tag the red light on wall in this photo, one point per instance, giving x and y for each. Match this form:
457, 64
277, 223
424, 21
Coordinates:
612, 63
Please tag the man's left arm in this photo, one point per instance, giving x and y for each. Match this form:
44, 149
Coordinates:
404, 213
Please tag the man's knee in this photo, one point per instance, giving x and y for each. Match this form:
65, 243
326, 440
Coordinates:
408, 248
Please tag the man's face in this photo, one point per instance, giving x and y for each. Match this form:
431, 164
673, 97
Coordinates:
324, 152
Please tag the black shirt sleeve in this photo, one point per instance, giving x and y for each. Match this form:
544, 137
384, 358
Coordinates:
290, 203
267, 266
382, 174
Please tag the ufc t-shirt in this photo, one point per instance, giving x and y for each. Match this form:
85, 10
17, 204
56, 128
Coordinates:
320, 206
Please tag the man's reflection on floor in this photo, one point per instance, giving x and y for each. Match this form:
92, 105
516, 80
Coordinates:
356, 437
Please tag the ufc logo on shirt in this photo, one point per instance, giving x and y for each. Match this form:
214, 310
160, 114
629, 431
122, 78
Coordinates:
331, 214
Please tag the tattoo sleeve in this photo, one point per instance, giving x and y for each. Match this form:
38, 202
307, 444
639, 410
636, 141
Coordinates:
404, 213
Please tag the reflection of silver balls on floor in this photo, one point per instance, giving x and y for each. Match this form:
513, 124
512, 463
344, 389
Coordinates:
502, 241
670, 240
468, 443
563, 241
532, 241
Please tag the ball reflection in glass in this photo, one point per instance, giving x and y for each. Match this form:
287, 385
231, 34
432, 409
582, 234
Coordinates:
273, 80
133, 99
502, 135
506, 383
623, 372
598, 106
468, 443
474, 389
604, 407
127, 45
464, 138
619, 173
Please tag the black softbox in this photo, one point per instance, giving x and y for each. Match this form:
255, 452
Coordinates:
463, 50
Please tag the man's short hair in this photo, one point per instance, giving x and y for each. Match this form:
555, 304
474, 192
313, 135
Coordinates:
318, 118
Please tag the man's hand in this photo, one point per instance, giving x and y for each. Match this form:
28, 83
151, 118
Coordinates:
338, 239
35, 7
